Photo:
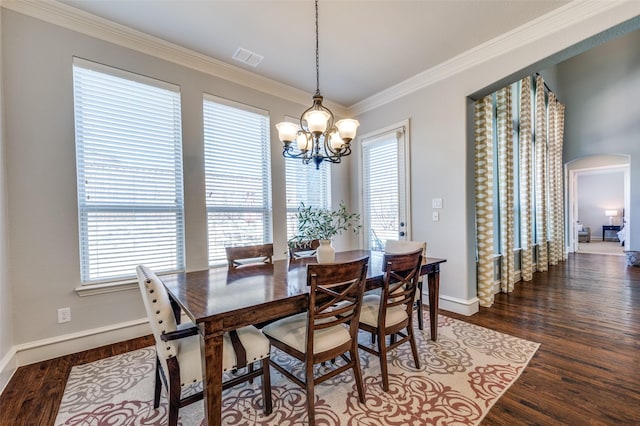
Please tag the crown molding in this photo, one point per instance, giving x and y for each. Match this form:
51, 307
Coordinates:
560, 19
68, 17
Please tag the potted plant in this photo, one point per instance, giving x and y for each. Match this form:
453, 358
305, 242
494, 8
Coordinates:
322, 225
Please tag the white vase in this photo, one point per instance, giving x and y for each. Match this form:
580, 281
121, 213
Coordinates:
325, 252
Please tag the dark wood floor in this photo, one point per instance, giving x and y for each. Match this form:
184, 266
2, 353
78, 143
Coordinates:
584, 312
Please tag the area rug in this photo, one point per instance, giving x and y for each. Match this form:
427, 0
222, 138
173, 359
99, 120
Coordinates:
461, 377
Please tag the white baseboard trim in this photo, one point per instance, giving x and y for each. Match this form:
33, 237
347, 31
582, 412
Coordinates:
460, 306
41, 350
8, 366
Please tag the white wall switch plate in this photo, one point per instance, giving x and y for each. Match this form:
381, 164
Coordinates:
436, 216
64, 315
436, 203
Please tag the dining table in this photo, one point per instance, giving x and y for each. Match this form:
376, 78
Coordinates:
219, 300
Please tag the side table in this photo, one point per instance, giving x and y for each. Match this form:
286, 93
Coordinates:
606, 228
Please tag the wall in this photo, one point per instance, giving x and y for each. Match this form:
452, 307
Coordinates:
442, 148
598, 192
40, 157
601, 89
7, 363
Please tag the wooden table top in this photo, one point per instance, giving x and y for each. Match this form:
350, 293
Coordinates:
219, 294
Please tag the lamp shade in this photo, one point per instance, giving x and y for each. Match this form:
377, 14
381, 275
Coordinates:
287, 131
611, 213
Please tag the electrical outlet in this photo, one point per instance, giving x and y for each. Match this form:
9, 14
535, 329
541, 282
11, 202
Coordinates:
64, 315
435, 216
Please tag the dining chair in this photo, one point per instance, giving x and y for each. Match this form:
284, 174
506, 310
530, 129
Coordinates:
390, 314
304, 249
329, 328
248, 255
407, 246
178, 356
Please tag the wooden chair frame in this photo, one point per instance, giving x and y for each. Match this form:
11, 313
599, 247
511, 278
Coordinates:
307, 246
400, 283
335, 298
255, 254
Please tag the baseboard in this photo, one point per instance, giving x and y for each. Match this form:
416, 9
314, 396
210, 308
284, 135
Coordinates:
8, 366
41, 350
459, 306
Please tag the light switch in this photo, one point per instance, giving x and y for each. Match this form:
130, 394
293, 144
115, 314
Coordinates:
436, 203
436, 216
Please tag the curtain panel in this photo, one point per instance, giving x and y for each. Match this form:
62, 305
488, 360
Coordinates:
484, 198
534, 207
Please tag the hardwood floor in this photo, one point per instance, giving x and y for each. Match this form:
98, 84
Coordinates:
585, 312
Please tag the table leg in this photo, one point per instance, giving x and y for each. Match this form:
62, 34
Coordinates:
433, 280
211, 347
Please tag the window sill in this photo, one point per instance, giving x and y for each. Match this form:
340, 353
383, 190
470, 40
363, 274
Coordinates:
112, 287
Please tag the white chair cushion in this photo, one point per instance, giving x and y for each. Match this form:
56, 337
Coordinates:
189, 359
293, 332
371, 308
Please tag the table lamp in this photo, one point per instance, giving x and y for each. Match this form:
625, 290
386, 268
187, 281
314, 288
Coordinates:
611, 214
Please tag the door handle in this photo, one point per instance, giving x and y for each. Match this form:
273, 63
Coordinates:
401, 233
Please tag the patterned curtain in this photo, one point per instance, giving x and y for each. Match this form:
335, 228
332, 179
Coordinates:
540, 194
504, 121
526, 183
541, 182
560, 181
484, 198
556, 187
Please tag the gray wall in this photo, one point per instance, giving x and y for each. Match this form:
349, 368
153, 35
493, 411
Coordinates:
41, 176
6, 307
601, 91
598, 192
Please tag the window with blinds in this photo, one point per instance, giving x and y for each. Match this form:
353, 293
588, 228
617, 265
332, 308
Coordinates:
385, 188
238, 175
305, 185
129, 171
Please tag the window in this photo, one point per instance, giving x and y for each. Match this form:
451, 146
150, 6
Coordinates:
238, 175
307, 185
129, 171
385, 193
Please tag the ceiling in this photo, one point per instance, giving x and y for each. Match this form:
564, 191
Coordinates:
365, 46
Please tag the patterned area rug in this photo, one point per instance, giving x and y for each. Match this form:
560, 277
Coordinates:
462, 375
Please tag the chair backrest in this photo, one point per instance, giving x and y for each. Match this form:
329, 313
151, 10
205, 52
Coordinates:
306, 247
159, 311
406, 246
335, 296
247, 255
401, 274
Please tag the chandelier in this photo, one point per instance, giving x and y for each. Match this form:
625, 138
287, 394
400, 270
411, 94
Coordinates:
317, 137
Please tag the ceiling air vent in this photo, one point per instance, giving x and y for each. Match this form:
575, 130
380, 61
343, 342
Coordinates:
247, 57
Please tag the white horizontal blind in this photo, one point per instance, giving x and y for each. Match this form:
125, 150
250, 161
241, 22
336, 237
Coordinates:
238, 176
381, 190
307, 185
129, 170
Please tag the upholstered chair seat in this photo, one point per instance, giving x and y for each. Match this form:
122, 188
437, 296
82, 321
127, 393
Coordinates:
371, 310
292, 331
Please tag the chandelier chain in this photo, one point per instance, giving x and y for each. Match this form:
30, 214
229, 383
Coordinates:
317, 55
